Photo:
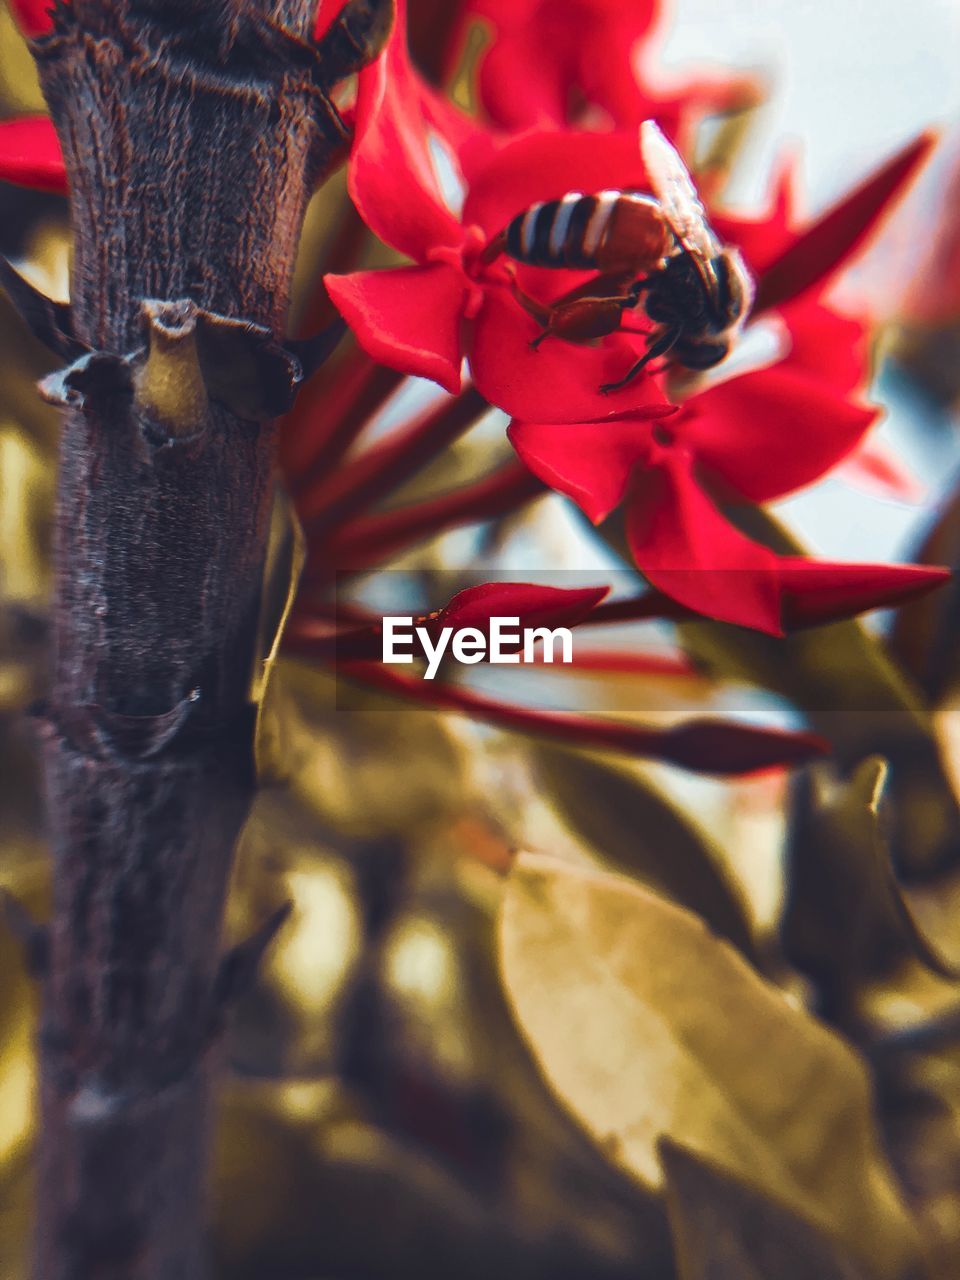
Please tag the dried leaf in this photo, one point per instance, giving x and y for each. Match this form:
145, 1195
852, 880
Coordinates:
19, 86
726, 1229
16, 1211
635, 828
25, 499
647, 1025
339, 748
331, 1195
919, 1106
846, 920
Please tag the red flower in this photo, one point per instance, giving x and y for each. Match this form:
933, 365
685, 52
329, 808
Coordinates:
789, 260
327, 13
748, 439
33, 17
424, 318
751, 438
30, 154
554, 63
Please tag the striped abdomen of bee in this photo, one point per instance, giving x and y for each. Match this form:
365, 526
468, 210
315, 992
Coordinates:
612, 232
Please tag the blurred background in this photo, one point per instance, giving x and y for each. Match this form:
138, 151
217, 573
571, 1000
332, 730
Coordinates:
383, 1116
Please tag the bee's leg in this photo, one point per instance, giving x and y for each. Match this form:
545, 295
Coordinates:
590, 311
659, 347
539, 311
494, 249
632, 297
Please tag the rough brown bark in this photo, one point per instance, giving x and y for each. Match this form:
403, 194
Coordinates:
193, 133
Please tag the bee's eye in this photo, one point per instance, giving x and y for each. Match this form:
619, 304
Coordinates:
729, 298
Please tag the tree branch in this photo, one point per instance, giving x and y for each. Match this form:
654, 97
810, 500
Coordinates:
193, 134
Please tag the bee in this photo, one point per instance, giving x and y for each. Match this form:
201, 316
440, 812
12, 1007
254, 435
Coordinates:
657, 249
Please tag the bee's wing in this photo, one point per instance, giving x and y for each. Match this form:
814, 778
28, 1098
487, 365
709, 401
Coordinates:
674, 189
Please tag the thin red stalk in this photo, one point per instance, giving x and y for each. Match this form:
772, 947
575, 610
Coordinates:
840, 231
653, 604
330, 413
381, 469
708, 746
623, 662
373, 539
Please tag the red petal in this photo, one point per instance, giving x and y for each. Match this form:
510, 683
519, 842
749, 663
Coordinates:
542, 166
327, 13
709, 746
716, 746
829, 241
686, 548
33, 17
406, 317
762, 240
392, 178
533, 604
815, 592
30, 154
590, 462
518, 88
559, 381
833, 348
769, 432
874, 468
506, 16
548, 60
925, 268
611, 75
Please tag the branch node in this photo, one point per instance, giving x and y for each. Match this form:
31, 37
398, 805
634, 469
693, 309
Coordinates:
355, 38
169, 386
97, 376
241, 964
312, 352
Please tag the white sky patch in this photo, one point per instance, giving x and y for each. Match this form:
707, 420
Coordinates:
854, 80
448, 173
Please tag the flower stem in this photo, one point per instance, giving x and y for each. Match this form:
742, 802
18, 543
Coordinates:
371, 539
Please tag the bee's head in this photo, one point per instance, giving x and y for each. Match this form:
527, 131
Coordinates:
733, 294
